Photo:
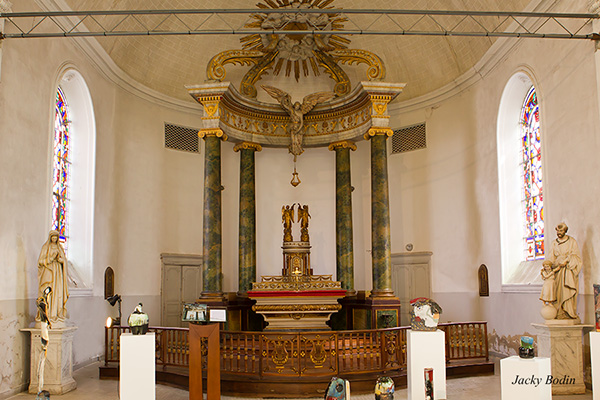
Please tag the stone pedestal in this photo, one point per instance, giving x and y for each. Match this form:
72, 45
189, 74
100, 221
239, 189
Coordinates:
58, 368
563, 345
425, 350
525, 378
595, 358
137, 367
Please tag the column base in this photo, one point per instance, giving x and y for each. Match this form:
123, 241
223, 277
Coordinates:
58, 368
379, 310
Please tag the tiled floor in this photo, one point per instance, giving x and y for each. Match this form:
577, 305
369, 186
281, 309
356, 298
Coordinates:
90, 387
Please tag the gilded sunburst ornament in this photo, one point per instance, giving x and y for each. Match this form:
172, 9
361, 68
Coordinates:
295, 51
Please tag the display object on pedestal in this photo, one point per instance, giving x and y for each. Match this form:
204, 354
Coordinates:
425, 314
51, 367
597, 305
42, 306
338, 389
428, 372
384, 388
526, 349
138, 321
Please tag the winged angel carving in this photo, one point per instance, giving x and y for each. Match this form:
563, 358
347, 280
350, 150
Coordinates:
297, 112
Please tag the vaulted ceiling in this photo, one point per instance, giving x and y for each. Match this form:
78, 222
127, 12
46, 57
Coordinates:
425, 63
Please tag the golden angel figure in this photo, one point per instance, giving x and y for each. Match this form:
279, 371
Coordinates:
296, 112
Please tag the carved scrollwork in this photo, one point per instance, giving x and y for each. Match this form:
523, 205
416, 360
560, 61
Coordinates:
247, 87
215, 69
376, 67
318, 355
336, 73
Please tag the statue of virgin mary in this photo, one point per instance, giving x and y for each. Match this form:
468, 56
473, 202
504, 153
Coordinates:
52, 272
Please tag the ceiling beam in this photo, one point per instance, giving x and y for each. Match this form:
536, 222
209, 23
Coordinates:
56, 24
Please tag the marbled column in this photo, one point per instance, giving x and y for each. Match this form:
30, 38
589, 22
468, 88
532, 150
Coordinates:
343, 215
212, 274
247, 218
380, 213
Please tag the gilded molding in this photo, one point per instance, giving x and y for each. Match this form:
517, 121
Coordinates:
378, 131
215, 70
342, 144
336, 73
375, 71
248, 146
204, 133
297, 307
249, 80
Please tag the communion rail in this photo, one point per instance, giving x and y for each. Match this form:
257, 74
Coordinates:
281, 358
300, 364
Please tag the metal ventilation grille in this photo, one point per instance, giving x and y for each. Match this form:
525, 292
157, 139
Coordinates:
409, 139
181, 138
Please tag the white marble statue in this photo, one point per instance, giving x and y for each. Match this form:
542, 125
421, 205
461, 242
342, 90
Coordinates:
52, 272
564, 261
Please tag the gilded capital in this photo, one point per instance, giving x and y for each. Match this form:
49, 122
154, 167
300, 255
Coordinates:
342, 144
378, 131
248, 146
204, 133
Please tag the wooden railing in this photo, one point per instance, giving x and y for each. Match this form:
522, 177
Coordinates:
310, 354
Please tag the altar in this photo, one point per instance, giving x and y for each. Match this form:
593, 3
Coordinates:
296, 299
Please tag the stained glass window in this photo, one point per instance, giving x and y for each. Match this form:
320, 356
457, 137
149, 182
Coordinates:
61, 167
531, 174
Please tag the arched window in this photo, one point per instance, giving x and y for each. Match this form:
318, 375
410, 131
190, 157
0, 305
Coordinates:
531, 165
61, 168
73, 176
520, 183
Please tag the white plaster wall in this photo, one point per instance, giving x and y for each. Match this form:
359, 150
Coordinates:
445, 198
149, 199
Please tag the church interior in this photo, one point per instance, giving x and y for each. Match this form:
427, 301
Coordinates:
398, 148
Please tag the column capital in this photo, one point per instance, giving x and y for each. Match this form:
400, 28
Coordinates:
247, 146
210, 132
342, 144
375, 131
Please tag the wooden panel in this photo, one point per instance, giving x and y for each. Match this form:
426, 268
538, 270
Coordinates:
191, 283
171, 295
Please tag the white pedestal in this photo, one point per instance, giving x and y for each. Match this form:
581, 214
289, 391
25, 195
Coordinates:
426, 350
595, 356
526, 378
58, 367
562, 343
137, 367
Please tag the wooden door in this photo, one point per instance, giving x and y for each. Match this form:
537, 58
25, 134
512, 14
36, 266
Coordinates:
411, 278
181, 283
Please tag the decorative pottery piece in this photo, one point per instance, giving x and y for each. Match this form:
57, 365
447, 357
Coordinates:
384, 388
425, 314
428, 383
338, 389
526, 350
43, 395
138, 321
597, 305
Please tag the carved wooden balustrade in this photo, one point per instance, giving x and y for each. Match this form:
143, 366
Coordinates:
310, 354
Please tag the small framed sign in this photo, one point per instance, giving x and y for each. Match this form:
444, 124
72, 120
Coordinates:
217, 315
